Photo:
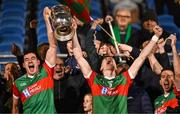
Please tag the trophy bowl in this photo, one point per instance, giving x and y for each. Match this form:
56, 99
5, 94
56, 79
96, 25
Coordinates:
61, 21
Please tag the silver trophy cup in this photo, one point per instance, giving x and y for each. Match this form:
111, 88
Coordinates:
61, 21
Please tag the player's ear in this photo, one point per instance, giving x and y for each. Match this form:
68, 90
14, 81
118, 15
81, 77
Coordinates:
160, 82
101, 69
38, 62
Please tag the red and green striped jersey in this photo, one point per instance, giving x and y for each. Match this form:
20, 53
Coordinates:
161, 103
36, 93
109, 96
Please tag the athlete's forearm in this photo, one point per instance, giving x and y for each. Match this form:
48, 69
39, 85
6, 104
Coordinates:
134, 68
176, 60
156, 67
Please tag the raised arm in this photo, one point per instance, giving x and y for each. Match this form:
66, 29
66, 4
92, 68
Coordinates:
134, 68
155, 65
51, 53
84, 65
15, 106
176, 61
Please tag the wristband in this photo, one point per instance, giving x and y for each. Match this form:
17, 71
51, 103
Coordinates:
155, 38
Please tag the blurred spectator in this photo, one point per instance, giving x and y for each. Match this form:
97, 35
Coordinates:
15, 50
136, 6
148, 21
123, 30
70, 61
138, 100
74, 86
42, 50
96, 46
2, 92
169, 101
31, 35
133, 8
176, 61
88, 103
149, 72
59, 84
11, 74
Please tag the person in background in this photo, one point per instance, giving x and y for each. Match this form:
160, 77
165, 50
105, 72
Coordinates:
11, 73
97, 46
148, 22
176, 61
73, 85
122, 28
35, 88
138, 100
60, 82
169, 101
88, 103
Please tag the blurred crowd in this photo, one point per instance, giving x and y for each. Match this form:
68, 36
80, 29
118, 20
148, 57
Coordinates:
124, 71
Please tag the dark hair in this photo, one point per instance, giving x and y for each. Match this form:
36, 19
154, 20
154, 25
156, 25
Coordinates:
41, 51
168, 68
15, 71
149, 14
30, 51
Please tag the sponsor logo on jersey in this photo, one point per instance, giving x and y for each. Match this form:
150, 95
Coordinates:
32, 90
109, 91
26, 93
104, 90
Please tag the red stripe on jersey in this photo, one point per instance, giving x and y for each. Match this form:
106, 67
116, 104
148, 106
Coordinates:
173, 103
91, 78
15, 90
127, 76
39, 86
97, 90
176, 92
49, 70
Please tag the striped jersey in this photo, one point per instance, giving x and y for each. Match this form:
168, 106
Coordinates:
36, 93
109, 96
162, 103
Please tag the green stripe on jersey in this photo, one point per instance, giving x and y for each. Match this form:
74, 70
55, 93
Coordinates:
41, 103
110, 104
119, 80
159, 101
24, 81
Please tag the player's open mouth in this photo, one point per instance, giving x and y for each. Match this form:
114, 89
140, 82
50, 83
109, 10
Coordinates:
59, 72
166, 85
31, 67
109, 61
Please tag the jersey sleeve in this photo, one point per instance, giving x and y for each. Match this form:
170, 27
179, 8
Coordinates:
91, 78
16, 93
176, 92
126, 74
49, 68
